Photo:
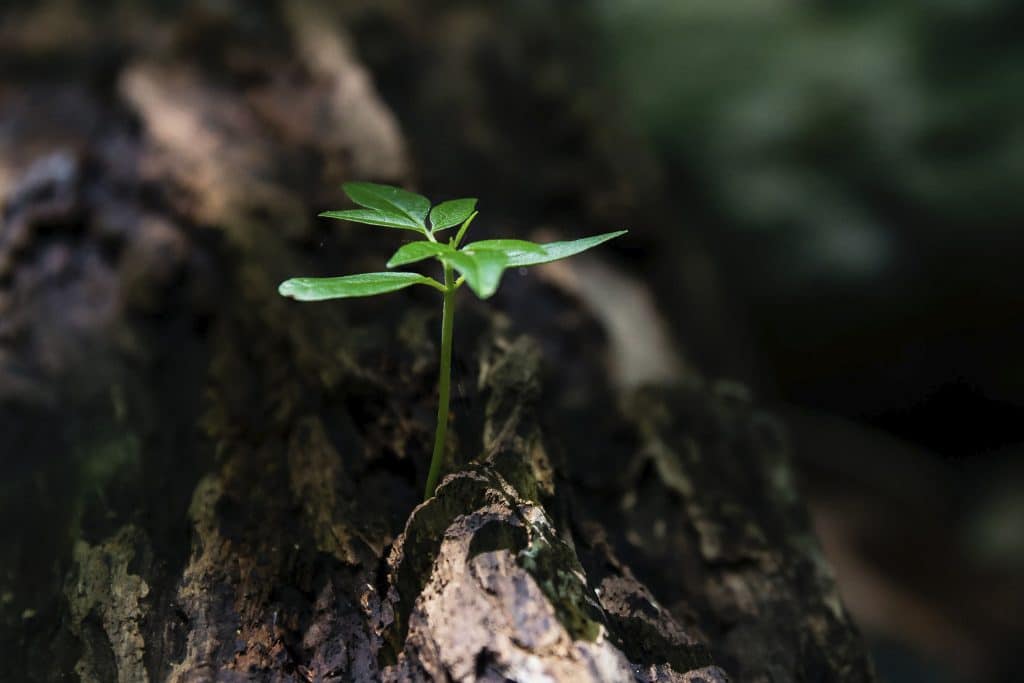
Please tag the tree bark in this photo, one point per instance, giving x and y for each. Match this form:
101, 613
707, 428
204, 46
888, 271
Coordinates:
209, 482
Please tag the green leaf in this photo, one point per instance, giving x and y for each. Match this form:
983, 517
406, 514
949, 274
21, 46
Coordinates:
417, 251
507, 247
554, 251
364, 284
393, 201
373, 217
451, 213
482, 269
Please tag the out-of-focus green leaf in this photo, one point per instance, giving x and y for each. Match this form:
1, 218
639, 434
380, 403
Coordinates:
364, 284
374, 217
554, 251
417, 251
482, 270
392, 201
451, 213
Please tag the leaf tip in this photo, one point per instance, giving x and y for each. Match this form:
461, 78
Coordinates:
287, 288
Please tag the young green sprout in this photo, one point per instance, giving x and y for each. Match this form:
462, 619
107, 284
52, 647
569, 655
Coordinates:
479, 265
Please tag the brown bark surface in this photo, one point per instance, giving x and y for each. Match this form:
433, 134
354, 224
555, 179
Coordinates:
209, 482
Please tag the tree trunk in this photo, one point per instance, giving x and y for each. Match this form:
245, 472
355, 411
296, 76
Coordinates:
209, 482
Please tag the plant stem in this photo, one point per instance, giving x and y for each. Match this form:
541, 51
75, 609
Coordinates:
444, 384
464, 228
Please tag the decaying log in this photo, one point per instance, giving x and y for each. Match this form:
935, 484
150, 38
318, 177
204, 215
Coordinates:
220, 484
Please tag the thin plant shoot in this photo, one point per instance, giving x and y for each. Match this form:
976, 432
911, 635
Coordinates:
478, 264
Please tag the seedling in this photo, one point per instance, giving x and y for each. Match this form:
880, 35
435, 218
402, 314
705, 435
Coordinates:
479, 264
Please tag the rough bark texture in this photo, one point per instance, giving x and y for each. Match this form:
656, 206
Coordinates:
215, 483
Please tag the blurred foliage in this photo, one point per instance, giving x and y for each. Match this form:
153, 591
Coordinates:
836, 121
856, 167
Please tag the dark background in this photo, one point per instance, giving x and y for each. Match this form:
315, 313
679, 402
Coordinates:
854, 169
837, 224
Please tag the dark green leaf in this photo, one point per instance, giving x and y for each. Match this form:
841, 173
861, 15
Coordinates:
364, 284
417, 251
393, 201
373, 217
507, 247
451, 213
482, 269
554, 251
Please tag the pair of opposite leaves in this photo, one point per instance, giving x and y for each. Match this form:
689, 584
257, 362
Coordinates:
480, 263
